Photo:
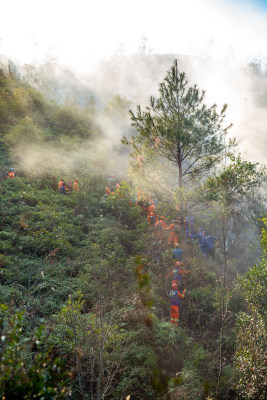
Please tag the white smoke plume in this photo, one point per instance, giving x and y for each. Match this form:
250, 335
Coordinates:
213, 40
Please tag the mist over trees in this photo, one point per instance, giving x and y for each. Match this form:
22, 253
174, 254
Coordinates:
179, 127
85, 301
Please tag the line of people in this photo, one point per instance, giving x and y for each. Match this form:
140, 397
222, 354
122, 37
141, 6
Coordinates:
61, 187
173, 231
161, 228
171, 234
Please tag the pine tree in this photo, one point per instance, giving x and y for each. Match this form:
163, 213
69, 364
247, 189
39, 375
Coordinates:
178, 127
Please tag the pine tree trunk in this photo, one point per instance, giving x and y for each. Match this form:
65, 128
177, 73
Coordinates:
180, 177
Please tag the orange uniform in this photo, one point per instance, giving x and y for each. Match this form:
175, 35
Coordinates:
174, 236
60, 183
75, 186
151, 213
175, 297
11, 175
160, 226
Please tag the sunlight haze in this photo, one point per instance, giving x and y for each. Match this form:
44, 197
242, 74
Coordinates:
80, 32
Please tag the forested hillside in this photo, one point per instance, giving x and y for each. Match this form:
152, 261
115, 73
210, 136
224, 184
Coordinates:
85, 274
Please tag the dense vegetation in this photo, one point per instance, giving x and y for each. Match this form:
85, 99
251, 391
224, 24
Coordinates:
85, 311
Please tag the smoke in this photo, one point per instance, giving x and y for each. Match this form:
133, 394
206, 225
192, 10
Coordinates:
123, 82
242, 87
213, 40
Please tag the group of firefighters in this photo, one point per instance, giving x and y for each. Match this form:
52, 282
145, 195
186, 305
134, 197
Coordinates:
160, 229
205, 241
61, 186
112, 186
63, 189
173, 232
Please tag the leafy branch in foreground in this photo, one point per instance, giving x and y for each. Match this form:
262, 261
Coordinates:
38, 375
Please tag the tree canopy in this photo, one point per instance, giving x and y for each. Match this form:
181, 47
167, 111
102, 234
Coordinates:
180, 128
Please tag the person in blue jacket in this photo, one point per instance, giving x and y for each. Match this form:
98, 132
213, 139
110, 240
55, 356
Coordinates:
177, 253
208, 244
199, 236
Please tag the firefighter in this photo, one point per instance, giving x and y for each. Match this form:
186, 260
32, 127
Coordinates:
160, 226
60, 183
11, 173
175, 233
62, 187
207, 245
177, 253
75, 186
177, 273
151, 213
107, 190
175, 297
199, 236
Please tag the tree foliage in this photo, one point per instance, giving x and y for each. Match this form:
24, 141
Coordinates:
251, 341
87, 272
25, 374
179, 127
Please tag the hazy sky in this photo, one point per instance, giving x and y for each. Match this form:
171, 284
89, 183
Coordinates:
221, 37
79, 32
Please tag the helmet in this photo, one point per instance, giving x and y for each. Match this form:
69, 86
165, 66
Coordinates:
11, 169
76, 179
162, 217
178, 264
174, 286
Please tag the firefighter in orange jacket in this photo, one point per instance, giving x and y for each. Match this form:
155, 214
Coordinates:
108, 191
75, 186
11, 173
61, 187
175, 297
177, 273
60, 183
175, 233
160, 226
151, 214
